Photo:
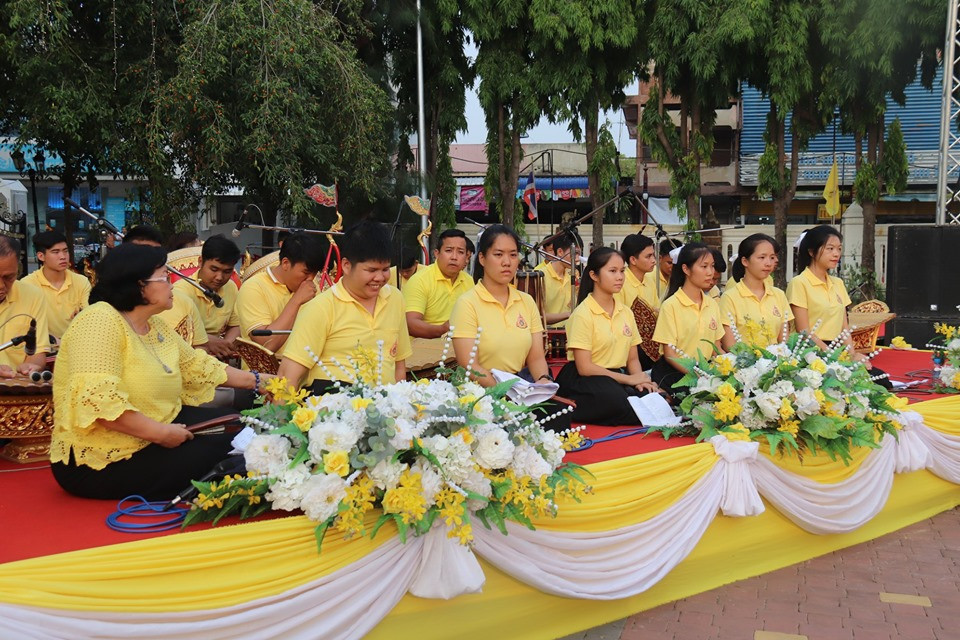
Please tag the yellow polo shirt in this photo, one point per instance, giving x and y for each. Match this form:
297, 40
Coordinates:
335, 325
215, 321
825, 301
261, 301
63, 303
431, 293
758, 320
185, 319
22, 298
507, 331
403, 281
731, 282
651, 280
609, 339
634, 288
556, 289
684, 324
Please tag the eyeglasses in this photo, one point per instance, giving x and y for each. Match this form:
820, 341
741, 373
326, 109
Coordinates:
165, 278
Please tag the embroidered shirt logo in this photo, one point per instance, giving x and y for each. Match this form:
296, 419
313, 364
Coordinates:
776, 312
713, 324
627, 331
393, 350
521, 323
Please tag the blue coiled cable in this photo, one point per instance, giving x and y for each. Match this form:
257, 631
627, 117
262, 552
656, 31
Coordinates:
119, 520
616, 435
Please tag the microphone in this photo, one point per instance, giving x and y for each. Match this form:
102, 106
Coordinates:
30, 340
214, 297
270, 332
227, 467
237, 229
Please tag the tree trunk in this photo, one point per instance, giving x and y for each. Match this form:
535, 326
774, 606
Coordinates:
591, 131
68, 180
506, 203
513, 176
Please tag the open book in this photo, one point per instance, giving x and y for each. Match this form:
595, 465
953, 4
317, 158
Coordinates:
526, 393
653, 410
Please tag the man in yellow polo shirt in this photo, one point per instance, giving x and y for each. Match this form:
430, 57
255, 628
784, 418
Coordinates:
430, 294
347, 321
20, 304
272, 298
65, 291
409, 266
557, 290
664, 268
638, 250
222, 324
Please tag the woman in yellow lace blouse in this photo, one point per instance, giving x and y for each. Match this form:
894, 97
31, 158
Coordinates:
127, 385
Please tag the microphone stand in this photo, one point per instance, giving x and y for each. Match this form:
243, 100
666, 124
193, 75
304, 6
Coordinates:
247, 225
109, 226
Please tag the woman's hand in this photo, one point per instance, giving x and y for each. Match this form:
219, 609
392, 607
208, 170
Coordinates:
637, 379
173, 435
650, 386
860, 357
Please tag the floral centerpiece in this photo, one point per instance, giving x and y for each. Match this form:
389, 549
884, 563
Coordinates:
425, 452
790, 395
946, 348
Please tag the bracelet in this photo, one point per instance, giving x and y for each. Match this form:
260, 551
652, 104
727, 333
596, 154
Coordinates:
256, 380
547, 376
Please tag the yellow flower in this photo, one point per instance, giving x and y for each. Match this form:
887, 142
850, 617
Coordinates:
818, 365
468, 399
737, 432
276, 386
726, 391
786, 411
955, 381
727, 409
725, 365
465, 434
337, 462
896, 403
900, 343
819, 395
406, 499
359, 404
304, 418
789, 426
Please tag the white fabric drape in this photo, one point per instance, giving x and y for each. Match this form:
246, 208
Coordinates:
598, 565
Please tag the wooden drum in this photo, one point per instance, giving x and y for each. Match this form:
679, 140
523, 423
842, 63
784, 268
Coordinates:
26, 418
425, 360
531, 282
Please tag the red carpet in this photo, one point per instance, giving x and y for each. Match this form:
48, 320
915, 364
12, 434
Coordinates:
40, 519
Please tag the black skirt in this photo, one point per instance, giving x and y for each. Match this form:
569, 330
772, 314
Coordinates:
600, 400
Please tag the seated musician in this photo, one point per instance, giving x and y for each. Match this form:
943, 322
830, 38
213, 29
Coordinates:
184, 316
659, 278
20, 302
272, 298
638, 251
512, 335
689, 318
64, 290
431, 293
127, 386
752, 304
348, 320
603, 369
222, 325
557, 288
409, 264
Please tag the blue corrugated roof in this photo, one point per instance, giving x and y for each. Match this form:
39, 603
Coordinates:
919, 118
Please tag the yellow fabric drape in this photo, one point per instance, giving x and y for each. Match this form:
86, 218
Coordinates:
232, 565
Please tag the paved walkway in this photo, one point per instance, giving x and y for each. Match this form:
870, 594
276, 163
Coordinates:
903, 586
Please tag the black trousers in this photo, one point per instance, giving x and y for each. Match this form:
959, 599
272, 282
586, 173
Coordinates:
600, 399
645, 362
154, 472
667, 377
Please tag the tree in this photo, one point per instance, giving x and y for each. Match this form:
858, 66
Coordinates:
511, 94
871, 61
63, 63
695, 48
270, 95
447, 73
788, 68
588, 51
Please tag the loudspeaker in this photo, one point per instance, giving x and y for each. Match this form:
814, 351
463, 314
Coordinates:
921, 272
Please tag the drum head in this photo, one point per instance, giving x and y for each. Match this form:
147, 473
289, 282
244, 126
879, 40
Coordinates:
646, 323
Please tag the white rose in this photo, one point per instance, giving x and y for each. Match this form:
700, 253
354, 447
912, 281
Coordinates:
287, 492
782, 388
267, 454
769, 405
708, 384
494, 449
479, 484
841, 372
856, 409
811, 378
386, 474
764, 365
779, 349
752, 419
322, 494
748, 377
527, 462
807, 404
430, 481
954, 344
330, 436
552, 448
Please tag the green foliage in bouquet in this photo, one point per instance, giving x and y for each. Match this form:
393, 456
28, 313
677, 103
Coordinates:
791, 396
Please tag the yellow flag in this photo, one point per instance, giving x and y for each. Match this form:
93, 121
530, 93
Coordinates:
831, 191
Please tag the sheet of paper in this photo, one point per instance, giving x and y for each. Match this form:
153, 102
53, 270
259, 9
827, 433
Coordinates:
653, 410
242, 440
526, 393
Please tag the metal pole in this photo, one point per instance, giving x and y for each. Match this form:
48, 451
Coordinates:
421, 119
33, 193
949, 159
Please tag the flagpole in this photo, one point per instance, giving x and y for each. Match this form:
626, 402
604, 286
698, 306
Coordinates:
421, 119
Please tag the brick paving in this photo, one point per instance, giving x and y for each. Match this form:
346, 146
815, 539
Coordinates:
833, 597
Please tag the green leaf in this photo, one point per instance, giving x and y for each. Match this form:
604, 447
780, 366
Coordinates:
821, 426
321, 531
382, 520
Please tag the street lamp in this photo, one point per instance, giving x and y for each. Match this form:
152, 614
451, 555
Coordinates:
36, 169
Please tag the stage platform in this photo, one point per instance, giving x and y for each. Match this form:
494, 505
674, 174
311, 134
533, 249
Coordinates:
652, 532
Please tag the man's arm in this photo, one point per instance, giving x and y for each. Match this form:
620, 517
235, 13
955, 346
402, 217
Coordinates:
420, 329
